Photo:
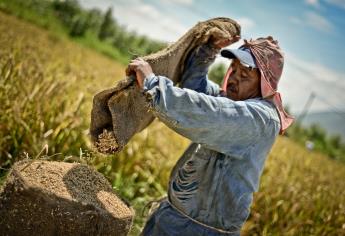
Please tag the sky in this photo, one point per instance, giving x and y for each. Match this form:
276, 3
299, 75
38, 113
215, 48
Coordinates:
310, 32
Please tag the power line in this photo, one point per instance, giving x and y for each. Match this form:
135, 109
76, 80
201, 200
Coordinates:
309, 102
306, 107
332, 107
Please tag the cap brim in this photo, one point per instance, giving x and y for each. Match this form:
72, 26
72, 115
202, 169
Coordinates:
244, 56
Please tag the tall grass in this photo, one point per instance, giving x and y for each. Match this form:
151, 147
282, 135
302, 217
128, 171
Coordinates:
301, 193
46, 89
38, 106
31, 116
46, 85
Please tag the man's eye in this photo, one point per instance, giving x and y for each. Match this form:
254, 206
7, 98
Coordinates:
244, 75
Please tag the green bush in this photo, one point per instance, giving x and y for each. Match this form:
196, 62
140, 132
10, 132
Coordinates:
217, 72
328, 144
92, 28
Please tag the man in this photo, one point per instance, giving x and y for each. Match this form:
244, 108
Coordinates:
232, 129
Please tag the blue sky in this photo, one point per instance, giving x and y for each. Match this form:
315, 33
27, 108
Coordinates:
310, 32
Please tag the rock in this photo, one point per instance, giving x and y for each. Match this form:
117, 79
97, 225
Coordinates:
57, 198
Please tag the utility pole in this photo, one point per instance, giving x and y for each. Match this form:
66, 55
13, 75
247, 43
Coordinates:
306, 107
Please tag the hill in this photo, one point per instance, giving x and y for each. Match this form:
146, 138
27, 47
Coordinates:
333, 122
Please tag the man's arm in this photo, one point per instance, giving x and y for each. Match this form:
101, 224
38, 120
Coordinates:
196, 69
219, 123
141, 69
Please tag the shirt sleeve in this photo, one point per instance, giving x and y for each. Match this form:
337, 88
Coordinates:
219, 123
195, 74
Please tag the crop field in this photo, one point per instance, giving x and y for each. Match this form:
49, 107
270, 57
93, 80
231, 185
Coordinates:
46, 88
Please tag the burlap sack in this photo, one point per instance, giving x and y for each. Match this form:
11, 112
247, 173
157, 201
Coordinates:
122, 111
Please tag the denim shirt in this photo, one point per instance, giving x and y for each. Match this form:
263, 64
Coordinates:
214, 180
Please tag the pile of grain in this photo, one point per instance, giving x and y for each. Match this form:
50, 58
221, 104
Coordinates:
50, 198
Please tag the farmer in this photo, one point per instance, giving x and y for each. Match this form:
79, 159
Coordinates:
232, 129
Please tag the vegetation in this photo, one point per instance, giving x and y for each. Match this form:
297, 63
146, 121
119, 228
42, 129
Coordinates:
300, 194
91, 28
217, 72
332, 145
46, 89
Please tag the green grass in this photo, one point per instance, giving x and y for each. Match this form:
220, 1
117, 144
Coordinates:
46, 89
91, 40
43, 16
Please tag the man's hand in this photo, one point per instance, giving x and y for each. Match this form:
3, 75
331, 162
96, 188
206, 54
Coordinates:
140, 68
221, 43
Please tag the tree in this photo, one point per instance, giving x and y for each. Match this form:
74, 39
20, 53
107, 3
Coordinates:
217, 73
154, 46
94, 19
107, 29
335, 141
67, 10
120, 41
79, 26
317, 134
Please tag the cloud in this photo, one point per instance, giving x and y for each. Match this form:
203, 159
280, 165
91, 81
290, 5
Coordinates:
318, 22
246, 23
314, 3
144, 18
296, 20
181, 2
317, 3
313, 20
338, 3
147, 19
301, 77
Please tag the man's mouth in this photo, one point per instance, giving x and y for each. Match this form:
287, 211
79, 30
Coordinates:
232, 88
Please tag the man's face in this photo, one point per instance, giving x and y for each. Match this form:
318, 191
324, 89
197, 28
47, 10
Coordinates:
244, 83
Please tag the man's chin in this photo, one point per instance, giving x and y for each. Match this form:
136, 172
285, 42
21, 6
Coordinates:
232, 96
